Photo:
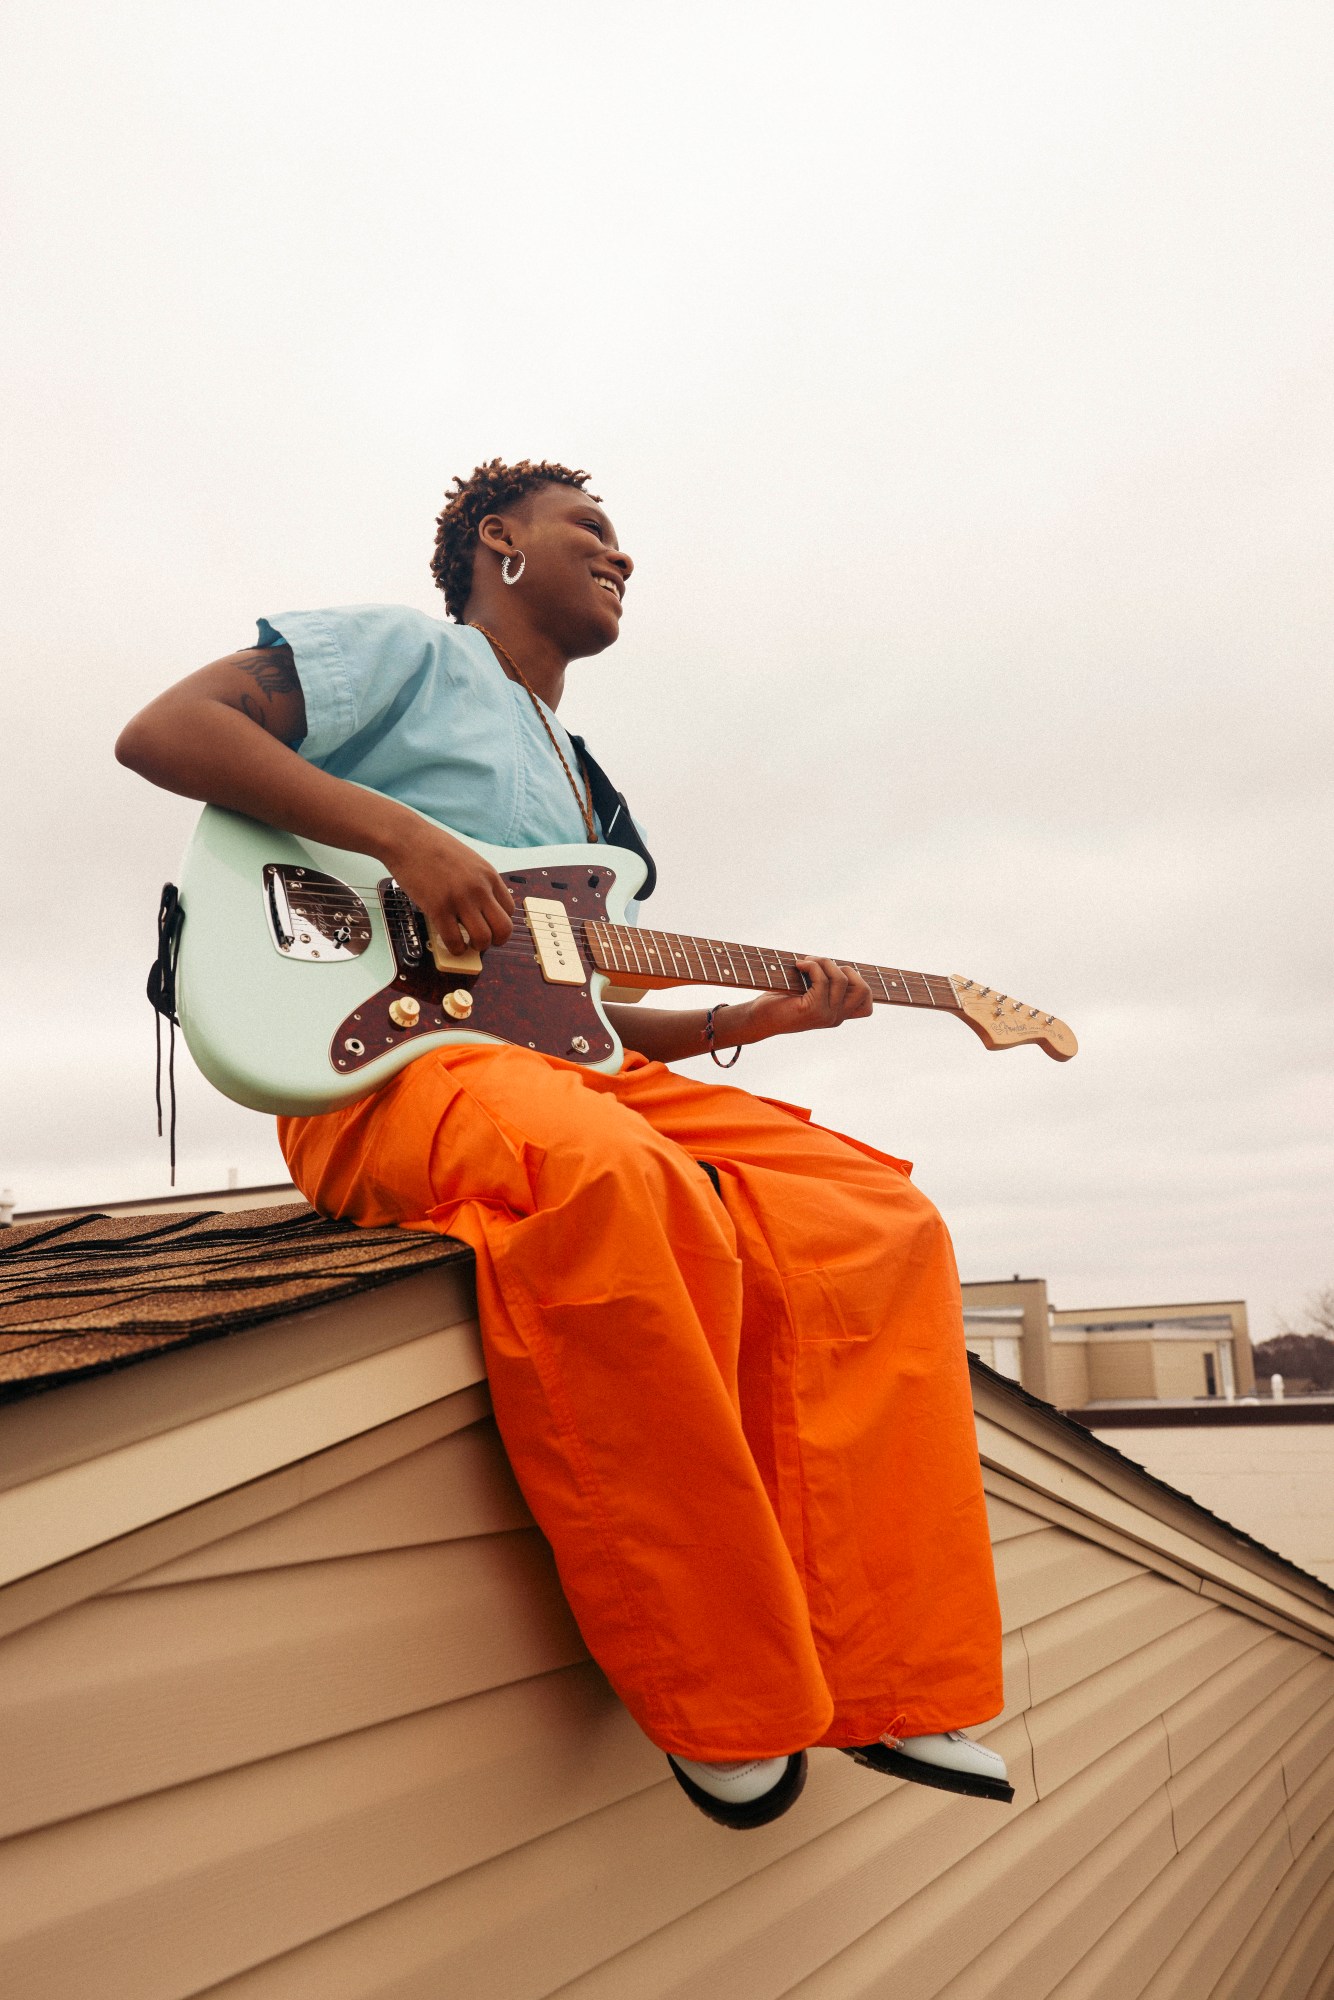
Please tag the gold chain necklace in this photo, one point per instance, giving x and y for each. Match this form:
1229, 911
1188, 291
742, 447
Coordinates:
584, 803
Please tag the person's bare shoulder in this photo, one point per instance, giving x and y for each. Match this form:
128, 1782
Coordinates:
263, 683
260, 683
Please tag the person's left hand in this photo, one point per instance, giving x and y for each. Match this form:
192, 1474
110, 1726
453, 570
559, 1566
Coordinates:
836, 993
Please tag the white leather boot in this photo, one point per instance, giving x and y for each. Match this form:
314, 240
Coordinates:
952, 1763
742, 1795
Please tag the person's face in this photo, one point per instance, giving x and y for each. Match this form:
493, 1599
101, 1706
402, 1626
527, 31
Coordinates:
575, 571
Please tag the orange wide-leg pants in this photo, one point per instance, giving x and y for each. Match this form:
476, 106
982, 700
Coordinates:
744, 1425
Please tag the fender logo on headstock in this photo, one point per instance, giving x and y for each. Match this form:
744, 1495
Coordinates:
1003, 1023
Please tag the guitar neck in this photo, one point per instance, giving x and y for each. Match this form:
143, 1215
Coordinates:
636, 957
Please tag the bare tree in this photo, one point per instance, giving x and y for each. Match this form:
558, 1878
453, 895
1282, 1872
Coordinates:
1303, 1352
1317, 1316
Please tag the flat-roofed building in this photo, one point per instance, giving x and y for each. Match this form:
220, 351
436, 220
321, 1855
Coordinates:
1007, 1324
1155, 1353
1077, 1356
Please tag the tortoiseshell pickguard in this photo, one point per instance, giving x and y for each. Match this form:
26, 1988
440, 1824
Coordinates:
511, 1000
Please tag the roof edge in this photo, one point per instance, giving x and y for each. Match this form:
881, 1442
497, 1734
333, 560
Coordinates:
1016, 1410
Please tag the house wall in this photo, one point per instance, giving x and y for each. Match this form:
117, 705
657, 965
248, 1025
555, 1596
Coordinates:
983, 1346
331, 1731
1001, 1347
1218, 1323
1069, 1375
1121, 1368
1104, 1370
1243, 1354
1179, 1368
1023, 1301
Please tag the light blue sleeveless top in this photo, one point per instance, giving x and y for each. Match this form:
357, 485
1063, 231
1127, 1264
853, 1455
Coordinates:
420, 710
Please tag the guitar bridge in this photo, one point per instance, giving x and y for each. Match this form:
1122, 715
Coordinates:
314, 916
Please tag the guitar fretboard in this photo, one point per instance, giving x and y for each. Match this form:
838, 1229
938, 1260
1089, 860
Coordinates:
666, 958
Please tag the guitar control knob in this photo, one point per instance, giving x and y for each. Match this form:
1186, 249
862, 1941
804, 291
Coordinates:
458, 1004
405, 1012
580, 1045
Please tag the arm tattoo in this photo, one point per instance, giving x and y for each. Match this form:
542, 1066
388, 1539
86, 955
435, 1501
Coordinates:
272, 668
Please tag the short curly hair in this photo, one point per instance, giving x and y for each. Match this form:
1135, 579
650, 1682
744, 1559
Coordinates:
488, 489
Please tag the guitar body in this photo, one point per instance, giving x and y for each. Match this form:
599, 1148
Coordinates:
292, 955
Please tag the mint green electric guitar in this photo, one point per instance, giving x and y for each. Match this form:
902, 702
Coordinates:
305, 977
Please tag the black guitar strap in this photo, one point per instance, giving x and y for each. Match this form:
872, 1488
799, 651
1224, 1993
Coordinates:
162, 994
618, 825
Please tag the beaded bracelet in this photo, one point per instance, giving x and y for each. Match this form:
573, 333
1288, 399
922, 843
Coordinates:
708, 1037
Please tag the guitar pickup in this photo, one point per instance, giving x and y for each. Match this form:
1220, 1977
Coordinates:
552, 933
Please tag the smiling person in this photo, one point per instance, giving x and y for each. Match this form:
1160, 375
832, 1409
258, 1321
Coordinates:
725, 1346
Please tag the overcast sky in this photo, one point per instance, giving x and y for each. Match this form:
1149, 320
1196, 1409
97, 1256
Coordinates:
960, 379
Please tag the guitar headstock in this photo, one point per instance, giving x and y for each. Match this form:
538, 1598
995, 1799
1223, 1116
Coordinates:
1005, 1023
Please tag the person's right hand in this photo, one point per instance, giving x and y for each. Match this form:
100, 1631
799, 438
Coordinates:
453, 886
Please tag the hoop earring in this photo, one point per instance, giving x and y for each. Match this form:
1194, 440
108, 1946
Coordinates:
505, 576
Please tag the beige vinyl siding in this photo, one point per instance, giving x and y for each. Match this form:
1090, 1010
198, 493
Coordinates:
1070, 1374
1179, 1368
1120, 1369
332, 1732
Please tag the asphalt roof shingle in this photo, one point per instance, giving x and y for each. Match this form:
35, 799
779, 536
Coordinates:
92, 1292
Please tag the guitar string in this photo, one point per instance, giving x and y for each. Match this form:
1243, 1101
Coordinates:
333, 907
706, 976
786, 961
785, 958
687, 939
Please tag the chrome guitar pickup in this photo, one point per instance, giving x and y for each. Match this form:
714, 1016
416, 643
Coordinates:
404, 922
